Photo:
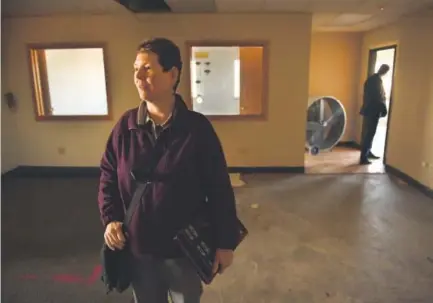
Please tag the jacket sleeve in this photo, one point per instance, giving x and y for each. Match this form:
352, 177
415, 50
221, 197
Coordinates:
109, 201
218, 188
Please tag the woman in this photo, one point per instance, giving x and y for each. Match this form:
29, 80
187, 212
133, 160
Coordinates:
180, 155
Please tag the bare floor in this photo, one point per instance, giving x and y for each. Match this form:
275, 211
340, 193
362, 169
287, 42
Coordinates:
313, 238
340, 160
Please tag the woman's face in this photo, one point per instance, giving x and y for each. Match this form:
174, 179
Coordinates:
151, 80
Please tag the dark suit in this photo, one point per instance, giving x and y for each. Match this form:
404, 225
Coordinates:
373, 108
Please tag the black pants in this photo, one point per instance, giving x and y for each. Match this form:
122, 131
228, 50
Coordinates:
155, 280
369, 128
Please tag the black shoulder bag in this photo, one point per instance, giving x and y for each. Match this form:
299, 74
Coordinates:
116, 265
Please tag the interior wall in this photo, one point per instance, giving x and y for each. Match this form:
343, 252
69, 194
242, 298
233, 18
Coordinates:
277, 141
9, 133
9, 140
412, 119
410, 134
334, 71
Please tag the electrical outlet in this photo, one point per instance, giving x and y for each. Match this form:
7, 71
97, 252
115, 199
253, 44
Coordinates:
243, 151
61, 150
426, 164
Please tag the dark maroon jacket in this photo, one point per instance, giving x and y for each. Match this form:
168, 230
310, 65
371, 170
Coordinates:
192, 167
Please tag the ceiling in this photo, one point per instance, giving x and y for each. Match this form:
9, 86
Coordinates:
328, 15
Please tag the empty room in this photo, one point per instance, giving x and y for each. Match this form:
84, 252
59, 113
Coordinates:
215, 151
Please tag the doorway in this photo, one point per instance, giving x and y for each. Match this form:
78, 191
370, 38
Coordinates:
344, 157
377, 57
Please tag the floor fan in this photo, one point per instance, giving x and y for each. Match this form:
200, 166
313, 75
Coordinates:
326, 123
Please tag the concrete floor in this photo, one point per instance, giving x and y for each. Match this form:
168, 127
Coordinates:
313, 238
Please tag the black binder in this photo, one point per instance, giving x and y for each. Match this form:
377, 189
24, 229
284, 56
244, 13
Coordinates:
197, 242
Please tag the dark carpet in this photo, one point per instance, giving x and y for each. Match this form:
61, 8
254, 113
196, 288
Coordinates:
51, 237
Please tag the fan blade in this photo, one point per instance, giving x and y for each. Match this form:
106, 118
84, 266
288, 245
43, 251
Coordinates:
314, 126
318, 138
333, 117
322, 110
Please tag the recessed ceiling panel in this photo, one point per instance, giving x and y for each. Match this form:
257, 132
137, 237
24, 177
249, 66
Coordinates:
350, 19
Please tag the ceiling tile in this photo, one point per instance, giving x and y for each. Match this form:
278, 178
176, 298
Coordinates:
191, 6
286, 5
48, 7
334, 6
374, 6
321, 19
325, 12
234, 6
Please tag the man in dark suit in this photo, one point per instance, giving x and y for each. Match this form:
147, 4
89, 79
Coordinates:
373, 108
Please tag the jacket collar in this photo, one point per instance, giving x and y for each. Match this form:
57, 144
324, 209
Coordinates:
139, 117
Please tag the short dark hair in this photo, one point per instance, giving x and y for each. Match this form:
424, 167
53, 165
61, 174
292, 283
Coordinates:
168, 54
383, 69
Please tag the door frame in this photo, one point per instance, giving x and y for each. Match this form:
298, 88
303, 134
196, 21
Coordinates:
370, 70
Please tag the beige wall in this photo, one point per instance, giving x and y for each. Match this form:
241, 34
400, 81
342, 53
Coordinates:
334, 71
9, 140
291, 80
9, 133
279, 141
410, 141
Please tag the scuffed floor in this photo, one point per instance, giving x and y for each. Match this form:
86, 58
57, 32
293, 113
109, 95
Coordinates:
325, 238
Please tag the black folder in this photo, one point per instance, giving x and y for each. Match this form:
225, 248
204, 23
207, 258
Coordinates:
197, 242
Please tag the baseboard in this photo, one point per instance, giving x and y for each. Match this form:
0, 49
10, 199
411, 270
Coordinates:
409, 180
350, 144
68, 172
267, 169
52, 172
7, 174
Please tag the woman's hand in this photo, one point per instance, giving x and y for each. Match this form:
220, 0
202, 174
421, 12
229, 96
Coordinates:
113, 236
223, 259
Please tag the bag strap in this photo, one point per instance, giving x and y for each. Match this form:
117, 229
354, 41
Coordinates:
136, 198
142, 180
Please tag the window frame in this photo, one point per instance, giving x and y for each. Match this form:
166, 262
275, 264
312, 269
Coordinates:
39, 81
232, 43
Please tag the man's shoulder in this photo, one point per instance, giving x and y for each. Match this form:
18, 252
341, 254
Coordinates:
374, 77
